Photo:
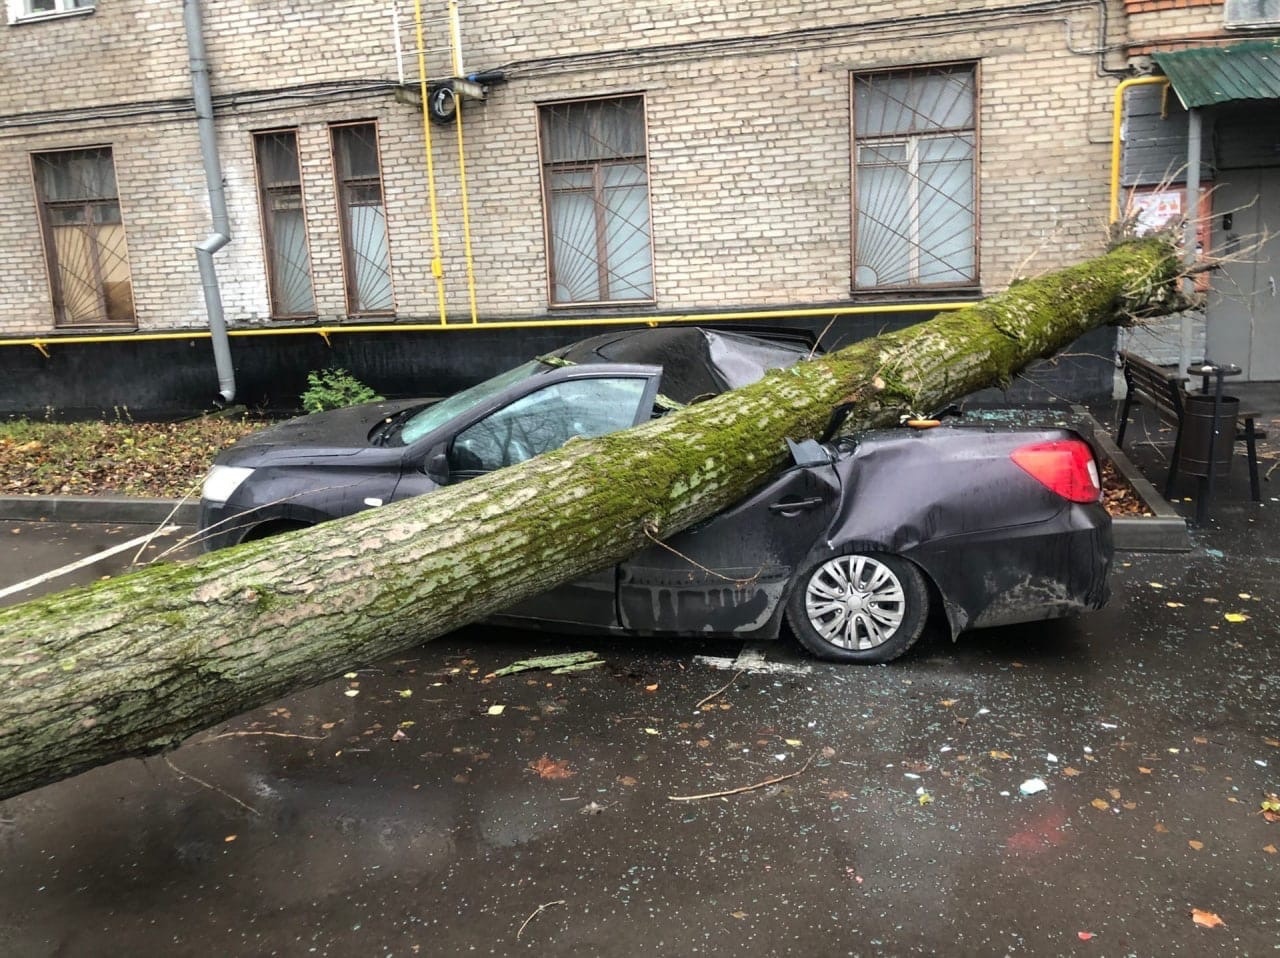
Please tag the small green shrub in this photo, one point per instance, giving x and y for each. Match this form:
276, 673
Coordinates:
333, 389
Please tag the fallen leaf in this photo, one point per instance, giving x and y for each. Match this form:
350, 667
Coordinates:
738, 915
836, 796
1271, 803
828, 752
398, 736
995, 753
1211, 601
1130, 806
496, 709
793, 742
652, 731
626, 780
1244, 595
651, 688
1196, 845
1200, 740
1143, 770
1273, 742
1100, 804
351, 693
230, 838
1070, 772
947, 703
1236, 617
1156, 585
925, 798
552, 769
1161, 829
1084, 935
1206, 919
1269, 849
1114, 793
405, 693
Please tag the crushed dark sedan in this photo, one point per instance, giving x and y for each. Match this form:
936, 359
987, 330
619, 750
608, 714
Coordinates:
856, 545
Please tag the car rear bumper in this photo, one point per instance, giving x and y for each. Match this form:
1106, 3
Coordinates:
1024, 574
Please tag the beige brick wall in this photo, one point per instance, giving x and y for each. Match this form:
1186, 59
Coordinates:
748, 142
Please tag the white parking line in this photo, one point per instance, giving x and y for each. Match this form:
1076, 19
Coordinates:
88, 560
751, 659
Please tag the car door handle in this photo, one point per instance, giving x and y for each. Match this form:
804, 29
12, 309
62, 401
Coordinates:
789, 506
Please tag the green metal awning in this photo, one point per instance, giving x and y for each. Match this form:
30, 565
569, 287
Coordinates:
1206, 76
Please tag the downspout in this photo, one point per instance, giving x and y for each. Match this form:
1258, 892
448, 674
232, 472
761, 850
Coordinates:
221, 235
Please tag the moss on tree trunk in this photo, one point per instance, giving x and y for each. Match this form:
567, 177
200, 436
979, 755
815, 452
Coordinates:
136, 664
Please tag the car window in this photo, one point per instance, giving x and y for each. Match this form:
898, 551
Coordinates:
436, 415
546, 420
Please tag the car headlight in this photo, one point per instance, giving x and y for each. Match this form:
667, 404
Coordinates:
222, 481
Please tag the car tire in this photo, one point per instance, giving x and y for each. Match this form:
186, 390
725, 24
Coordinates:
863, 607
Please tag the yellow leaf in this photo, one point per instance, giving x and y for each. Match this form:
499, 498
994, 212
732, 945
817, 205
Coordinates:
1236, 617
738, 915
1130, 805
1176, 605
497, 709
230, 838
926, 799
1000, 755
651, 688
1114, 793
1269, 849
1273, 742
1100, 804
793, 742
1144, 771
1196, 845
1244, 595
1156, 585
1271, 804
1206, 919
651, 731
947, 703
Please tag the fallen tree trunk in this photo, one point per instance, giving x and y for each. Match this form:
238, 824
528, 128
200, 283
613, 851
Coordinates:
134, 665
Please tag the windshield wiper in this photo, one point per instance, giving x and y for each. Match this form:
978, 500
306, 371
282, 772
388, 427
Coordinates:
382, 433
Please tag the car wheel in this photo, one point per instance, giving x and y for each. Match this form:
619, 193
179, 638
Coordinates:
859, 607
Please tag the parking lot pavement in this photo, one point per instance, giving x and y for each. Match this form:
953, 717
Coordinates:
38, 558
418, 806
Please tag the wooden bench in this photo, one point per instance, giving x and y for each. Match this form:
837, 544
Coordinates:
1164, 390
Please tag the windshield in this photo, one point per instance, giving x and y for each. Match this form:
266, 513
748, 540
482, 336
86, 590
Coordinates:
436, 415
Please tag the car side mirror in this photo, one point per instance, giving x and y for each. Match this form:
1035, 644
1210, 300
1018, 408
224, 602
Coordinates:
437, 467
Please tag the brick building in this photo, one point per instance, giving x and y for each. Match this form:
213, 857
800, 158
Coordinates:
629, 161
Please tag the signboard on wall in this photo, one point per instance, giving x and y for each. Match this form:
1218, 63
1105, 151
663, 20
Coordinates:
1156, 209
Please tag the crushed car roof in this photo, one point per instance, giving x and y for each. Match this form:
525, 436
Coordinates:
696, 361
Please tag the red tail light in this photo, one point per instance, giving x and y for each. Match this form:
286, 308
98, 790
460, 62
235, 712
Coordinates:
1065, 466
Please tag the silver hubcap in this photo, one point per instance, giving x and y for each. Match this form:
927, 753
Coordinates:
855, 602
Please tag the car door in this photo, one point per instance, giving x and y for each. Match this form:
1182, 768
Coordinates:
729, 575
586, 401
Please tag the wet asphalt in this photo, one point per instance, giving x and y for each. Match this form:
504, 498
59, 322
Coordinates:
420, 806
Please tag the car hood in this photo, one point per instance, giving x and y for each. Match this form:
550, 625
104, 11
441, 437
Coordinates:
322, 435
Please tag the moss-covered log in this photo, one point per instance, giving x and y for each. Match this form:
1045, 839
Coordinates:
136, 664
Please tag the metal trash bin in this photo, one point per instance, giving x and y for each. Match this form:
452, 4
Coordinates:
1197, 436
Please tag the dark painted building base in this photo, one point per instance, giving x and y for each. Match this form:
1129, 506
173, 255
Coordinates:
176, 378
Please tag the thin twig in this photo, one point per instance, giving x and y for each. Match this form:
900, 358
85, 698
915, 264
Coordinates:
213, 738
536, 912
740, 583
722, 688
745, 788
214, 788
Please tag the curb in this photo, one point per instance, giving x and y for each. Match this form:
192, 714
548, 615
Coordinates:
113, 509
1165, 530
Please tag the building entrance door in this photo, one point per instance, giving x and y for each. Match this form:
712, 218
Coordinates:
1243, 309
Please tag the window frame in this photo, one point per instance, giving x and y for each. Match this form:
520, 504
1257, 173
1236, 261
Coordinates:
547, 167
1240, 23
48, 242
266, 220
349, 280
916, 288
18, 12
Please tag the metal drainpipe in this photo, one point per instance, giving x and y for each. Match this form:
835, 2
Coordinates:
221, 235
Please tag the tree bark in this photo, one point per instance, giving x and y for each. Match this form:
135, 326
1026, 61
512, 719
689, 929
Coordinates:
134, 665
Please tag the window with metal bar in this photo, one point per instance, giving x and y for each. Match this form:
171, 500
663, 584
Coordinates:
595, 175
915, 178
284, 224
85, 248
366, 260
